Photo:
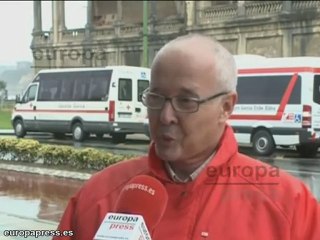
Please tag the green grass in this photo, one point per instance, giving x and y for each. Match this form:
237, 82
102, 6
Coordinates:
5, 118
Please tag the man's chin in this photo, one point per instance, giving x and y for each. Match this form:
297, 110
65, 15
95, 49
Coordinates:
170, 155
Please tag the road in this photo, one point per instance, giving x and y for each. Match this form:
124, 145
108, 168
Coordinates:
135, 143
286, 159
308, 169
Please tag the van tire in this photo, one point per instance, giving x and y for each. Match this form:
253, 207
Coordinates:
263, 143
78, 133
307, 150
19, 129
118, 137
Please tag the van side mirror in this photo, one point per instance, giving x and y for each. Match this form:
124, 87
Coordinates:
18, 99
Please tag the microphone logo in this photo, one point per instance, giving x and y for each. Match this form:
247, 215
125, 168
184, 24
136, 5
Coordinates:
139, 186
123, 218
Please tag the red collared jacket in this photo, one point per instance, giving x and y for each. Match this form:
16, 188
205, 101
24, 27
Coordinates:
234, 198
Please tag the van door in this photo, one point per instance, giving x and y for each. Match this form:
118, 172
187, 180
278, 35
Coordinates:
316, 103
27, 107
140, 109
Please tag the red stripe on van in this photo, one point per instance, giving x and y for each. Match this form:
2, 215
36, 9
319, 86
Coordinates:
279, 70
287, 94
254, 117
284, 101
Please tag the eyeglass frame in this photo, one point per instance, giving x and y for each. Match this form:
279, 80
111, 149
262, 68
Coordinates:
197, 100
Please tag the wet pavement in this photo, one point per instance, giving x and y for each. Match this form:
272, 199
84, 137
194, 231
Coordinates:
308, 170
35, 196
33, 201
311, 180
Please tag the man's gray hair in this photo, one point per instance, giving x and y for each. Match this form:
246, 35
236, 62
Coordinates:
225, 64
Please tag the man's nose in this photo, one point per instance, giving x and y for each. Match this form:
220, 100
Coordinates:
168, 114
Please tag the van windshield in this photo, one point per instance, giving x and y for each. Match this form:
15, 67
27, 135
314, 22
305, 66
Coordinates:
316, 89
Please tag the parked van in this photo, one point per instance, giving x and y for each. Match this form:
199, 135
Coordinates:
82, 101
279, 103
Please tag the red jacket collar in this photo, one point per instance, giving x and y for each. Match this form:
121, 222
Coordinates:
226, 149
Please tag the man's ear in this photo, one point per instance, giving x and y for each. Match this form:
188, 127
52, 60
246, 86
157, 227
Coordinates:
227, 106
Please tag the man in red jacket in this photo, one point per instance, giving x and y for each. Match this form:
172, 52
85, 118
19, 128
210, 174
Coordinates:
214, 191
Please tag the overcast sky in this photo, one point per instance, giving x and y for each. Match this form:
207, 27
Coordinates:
16, 24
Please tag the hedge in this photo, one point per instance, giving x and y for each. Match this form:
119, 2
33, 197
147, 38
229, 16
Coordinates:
26, 150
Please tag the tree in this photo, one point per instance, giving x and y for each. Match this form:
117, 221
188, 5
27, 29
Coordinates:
3, 92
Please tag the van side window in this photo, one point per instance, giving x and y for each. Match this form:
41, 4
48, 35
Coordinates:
75, 86
50, 87
316, 89
266, 89
295, 97
81, 86
125, 89
142, 85
99, 85
67, 86
30, 94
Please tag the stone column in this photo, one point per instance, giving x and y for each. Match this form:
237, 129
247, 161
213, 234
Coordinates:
61, 14
204, 4
153, 10
191, 13
55, 21
58, 25
180, 8
89, 24
152, 20
199, 7
89, 14
241, 11
286, 6
119, 11
287, 33
37, 21
58, 19
118, 23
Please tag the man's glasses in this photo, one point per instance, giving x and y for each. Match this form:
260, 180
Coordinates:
180, 104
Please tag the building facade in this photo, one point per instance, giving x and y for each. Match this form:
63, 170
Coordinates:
113, 32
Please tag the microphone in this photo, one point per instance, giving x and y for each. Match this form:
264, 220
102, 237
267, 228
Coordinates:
139, 208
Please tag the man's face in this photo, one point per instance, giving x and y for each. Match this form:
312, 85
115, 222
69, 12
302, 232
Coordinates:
182, 136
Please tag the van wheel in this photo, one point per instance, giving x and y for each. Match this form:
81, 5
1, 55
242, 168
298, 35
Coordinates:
118, 137
19, 129
263, 143
307, 150
78, 133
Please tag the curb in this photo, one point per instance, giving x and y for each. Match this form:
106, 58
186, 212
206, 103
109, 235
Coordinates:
46, 171
6, 132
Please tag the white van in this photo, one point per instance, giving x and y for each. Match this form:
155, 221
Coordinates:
82, 101
279, 103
